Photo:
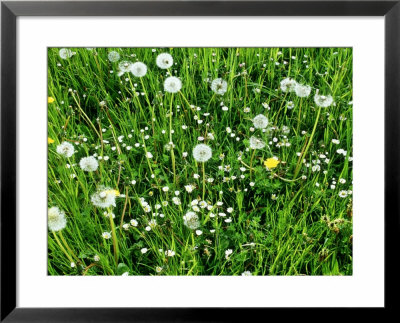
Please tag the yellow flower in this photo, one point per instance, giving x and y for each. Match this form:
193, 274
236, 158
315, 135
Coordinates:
116, 192
49, 140
271, 163
50, 99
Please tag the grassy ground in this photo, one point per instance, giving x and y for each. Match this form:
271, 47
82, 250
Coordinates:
292, 219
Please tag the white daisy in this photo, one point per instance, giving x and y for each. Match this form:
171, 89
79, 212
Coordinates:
89, 164
343, 194
202, 153
106, 235
219, 86
65, 149
247, 273
256, 143
104, 197
172, 84
260, 121
164, 61
138, 69
56, 219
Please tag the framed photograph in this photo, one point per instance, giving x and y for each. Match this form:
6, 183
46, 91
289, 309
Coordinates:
159, 158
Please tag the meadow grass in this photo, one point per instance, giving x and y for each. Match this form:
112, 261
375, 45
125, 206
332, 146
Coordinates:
292, 219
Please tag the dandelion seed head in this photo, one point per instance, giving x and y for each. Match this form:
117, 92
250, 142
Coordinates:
138, 69
172, 84
302, 91
323, 101
65, 149
256, 143
89, 164
164, 61
66, 53
288, 85
104, 197
260, 121
56, 220
219, 86
202, 153
113, 56
191, 220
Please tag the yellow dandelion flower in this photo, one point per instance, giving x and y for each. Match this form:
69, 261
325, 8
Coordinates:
271, 163
49, 140
50, 99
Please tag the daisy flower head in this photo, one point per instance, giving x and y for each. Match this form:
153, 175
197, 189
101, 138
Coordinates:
104, 197
172, 84
164, 61
106, 235
202, 153
113, 56
56, 220
260, 121
138, 69
247, 273
89, 164
288, 85
219, 86
302, 91
191, 220
66, 53
343, 194
323, 101
256, 143
65, 149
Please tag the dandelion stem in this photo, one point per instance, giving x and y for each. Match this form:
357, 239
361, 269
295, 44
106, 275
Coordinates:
298, 118
151, 107
114, 236
66, 244
85, 115
251, 163
62, 248
308, 145
204, 180
170, 139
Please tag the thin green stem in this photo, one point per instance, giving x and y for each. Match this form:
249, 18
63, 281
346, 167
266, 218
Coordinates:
251, 163
308, 145
62, 248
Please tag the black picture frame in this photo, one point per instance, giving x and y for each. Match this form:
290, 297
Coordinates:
11, 10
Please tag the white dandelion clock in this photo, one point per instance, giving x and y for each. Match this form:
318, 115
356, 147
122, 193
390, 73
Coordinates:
260, 121
323, 101
288, 85
139, 69
191, 220
219, 86
172, 84
256, 143
89, 164
124, 67
104, 197
302, 91
164, 61
56, 220
202, 153
113, 56
66, 53
65, 149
